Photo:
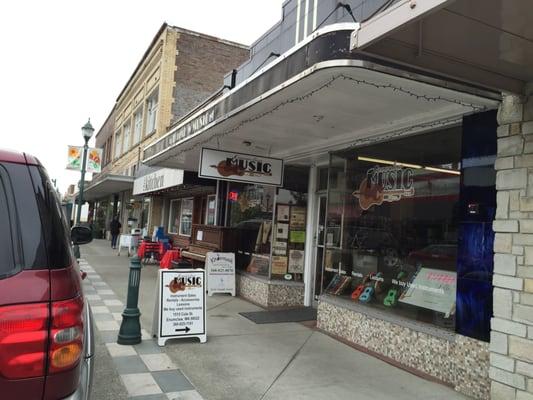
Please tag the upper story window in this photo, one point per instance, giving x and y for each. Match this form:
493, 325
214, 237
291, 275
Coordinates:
137, 125
118, 144
126, 130
151, 112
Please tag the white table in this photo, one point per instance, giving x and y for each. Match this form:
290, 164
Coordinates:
129, 241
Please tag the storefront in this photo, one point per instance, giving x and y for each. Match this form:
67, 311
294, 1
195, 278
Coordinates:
111, 196
389, 233
174, 199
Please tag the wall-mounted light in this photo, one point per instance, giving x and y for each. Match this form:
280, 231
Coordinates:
406, 165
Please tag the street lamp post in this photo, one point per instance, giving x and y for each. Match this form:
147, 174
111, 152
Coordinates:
86, 131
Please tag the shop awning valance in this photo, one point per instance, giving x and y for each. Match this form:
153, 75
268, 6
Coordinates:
107, 185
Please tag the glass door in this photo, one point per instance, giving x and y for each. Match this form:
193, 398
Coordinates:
319, 245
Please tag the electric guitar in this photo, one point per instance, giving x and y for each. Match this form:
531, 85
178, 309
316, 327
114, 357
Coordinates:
370, 194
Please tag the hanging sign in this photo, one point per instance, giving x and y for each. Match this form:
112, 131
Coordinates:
240, 167
385, 184
220, 272
181, 300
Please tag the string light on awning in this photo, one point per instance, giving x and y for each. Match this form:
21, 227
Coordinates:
358, 82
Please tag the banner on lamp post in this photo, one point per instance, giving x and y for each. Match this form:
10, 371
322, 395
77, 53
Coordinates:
75, 154
75, 159
94, 160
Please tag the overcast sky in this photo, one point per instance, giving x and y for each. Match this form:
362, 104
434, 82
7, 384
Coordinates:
66, 61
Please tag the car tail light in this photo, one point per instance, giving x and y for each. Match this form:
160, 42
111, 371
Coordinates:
23, 337
66, 334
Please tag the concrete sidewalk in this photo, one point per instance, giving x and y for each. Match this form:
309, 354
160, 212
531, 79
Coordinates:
243, 360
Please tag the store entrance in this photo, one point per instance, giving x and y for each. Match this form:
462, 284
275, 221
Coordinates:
319, 246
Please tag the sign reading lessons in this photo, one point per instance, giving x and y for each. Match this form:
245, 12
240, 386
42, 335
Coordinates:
161, 179
240, 167
220, 273
182, 311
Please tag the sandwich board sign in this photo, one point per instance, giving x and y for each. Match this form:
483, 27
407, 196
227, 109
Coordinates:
220, 273
181, 300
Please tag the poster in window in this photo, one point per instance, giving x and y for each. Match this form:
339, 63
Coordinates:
279, 248
279, 265
297, 237
283, 213
298, 218
282, 231
258, 265
433, 289
296, 261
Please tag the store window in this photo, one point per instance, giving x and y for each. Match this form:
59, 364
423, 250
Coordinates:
151, 113
392, 226
288, 248
250, 213
186, 216
210, 211
174, 216
137, 125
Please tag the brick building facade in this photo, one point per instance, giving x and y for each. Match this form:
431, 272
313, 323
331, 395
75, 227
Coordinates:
178, 71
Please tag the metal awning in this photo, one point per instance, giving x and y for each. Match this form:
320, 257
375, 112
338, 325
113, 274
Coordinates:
107, 185
317, 98
485, 44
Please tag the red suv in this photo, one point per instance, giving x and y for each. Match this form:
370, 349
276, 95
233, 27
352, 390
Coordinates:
46, 340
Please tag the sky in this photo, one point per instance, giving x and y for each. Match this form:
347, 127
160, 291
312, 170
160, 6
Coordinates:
66, 61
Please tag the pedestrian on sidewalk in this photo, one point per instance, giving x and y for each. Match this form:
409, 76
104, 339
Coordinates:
114, 227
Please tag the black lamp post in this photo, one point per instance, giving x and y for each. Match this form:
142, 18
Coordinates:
86, 131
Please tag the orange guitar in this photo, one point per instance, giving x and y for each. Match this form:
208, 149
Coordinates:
224, 168
227, 169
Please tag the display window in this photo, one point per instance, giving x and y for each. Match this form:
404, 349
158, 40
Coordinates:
270, 225
210, 212
392, 226
288, 247
174, 216
185, 224
250, 210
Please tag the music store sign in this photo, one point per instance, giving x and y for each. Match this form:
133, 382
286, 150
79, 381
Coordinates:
240, 167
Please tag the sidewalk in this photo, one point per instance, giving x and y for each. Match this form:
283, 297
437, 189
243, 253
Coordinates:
241, 360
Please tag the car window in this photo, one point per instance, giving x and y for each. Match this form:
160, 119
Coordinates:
10, 251
34, 232
55, 228
23, 230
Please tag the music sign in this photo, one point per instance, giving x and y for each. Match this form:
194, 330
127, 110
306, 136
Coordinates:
385, 184
240, 167
182, 311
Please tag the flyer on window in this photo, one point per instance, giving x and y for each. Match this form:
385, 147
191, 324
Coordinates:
282, 231
279, 265
280, 248
297, 237
298, 218
283, 213
296, 261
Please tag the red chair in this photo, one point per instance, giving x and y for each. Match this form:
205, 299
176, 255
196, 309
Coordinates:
152, 251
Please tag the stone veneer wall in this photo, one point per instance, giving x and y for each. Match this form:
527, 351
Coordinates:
457, 360
511, 347
269, 294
